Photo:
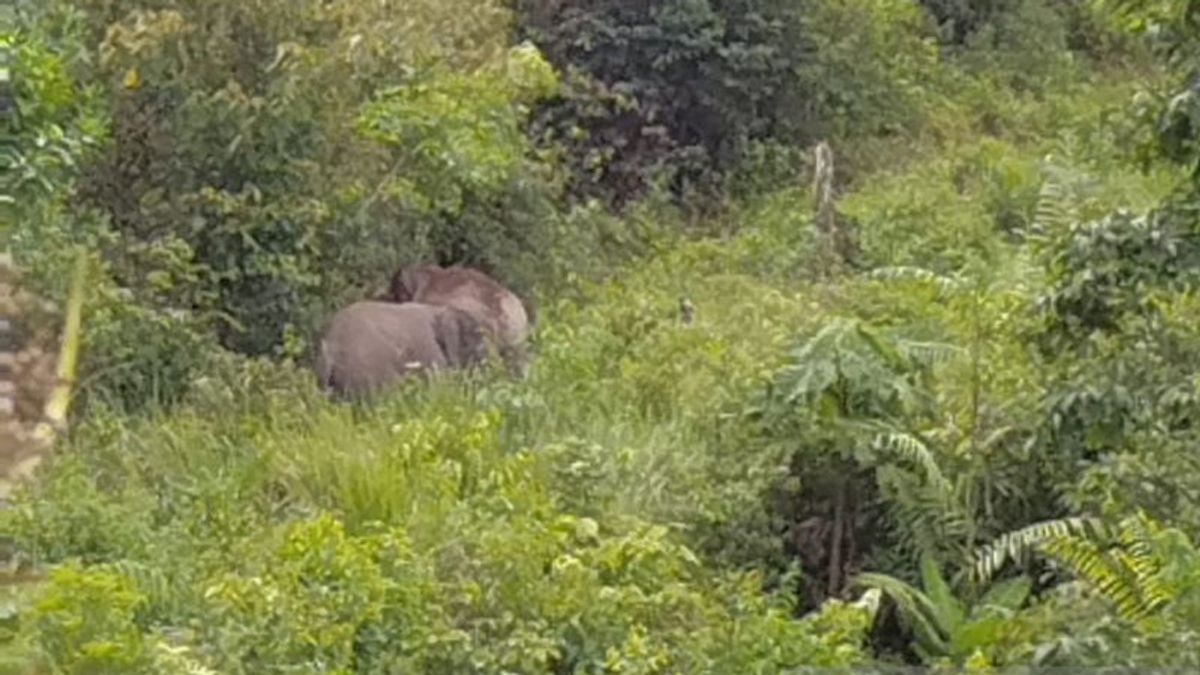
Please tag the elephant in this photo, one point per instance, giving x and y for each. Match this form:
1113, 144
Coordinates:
505, 317
370, 345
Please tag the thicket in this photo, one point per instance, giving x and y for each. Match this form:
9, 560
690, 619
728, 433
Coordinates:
971, 446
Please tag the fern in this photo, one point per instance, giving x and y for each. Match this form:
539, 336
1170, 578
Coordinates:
154, 584
1136, 536
1017, 544
1055, 210
913, 450
946, 284
929, 518
928, 353
1125, 568
1128, 574
1088, 562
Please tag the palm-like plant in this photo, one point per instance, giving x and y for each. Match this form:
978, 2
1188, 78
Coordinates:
945, 626
853, 390
1126, 566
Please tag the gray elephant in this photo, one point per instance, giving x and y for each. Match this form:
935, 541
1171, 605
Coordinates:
503, 315
371, 345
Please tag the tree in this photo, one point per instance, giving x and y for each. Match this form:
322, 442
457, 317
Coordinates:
250, 166
673, 94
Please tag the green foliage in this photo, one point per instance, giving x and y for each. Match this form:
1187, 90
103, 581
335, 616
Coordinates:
959, 19
305, 603
852, 395
77, 519
1128, 575
949, 212
1028, 43
949, 630
54, 122
1171, 24
678, 93
1108, 269
1113, 285
312, 150
1138, 567
454, 140
847, 371
1015, 545
472, 567
1168, 110
85, 623
1004, 371
248, 128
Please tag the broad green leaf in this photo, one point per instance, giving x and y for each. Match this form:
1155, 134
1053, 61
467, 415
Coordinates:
1009, 594
947, 608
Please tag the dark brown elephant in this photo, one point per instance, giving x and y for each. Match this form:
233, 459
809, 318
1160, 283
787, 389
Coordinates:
370, 345
505, 317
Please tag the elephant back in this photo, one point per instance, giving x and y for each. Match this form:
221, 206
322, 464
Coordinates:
369, 345
495, 307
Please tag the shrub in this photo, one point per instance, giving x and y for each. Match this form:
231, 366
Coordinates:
239, 196
84, 622
270, 547
675, 94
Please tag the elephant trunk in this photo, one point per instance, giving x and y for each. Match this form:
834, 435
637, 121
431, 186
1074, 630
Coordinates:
516, 360
324, 369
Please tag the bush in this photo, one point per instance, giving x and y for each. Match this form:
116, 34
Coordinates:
718, 434
674, 95
241, 196
411, 542
85, 622
208, 157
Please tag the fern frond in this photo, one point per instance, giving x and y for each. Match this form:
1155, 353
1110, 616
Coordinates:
1018, 543
908, 273
1128, 573
151, 582
928, 518
1055, 208
1139, 557
928, 353
884, 350
913, 450
1143, 573
1104, 573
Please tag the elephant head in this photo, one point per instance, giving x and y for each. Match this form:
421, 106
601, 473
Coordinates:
460, 337
370, 345
505, 317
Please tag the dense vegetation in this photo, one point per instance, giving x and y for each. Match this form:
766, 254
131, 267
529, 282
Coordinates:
962, 437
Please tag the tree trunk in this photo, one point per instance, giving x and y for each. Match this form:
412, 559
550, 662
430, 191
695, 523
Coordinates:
839, 533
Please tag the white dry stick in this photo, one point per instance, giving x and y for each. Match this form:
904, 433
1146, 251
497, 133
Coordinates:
833, 240
823, 189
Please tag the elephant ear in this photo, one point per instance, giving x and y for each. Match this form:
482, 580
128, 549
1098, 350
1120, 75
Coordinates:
406, 282
459, 336
398, 291
530, 307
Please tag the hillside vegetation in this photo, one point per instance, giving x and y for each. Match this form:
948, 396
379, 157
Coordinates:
955, 429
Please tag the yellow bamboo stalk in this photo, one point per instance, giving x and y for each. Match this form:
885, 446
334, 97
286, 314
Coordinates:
38, 441
55, 415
